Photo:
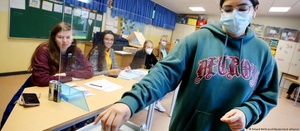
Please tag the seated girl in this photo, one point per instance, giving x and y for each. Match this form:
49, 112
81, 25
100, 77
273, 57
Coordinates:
102, 56
144, 58
59, 59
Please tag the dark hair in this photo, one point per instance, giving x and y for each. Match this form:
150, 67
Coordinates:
101, 48
254, 3
54, 51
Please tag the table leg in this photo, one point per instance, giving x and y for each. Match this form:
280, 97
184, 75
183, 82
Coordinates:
281, 88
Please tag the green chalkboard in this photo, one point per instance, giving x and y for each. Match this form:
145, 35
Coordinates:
37, 22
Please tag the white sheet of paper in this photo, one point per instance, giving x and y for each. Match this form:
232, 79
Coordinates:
103, 85
77, 12
85, 14
35, 3
96, 29
47, 6
68, 10
17, 4
92, 15
99, 17
132, 74
57, 8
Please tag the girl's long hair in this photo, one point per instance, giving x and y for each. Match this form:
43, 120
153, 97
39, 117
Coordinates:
101, 48
54, 51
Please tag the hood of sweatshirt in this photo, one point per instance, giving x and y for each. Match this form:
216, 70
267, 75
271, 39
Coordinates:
217, 30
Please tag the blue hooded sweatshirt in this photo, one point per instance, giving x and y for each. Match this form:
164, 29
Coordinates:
218, 73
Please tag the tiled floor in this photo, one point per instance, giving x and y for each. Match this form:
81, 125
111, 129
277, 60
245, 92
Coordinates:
284, 116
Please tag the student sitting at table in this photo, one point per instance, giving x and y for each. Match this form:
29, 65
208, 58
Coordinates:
59, 58
161, 51
144, 58
102, 56
291, 90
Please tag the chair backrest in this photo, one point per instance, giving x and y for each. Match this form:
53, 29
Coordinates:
11, 104
119, 43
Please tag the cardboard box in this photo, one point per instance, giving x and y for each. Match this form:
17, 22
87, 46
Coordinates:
136, 39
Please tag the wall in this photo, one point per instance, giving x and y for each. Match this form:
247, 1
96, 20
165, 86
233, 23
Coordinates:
15, 53
154, 33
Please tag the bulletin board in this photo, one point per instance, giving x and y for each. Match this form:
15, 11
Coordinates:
36, 18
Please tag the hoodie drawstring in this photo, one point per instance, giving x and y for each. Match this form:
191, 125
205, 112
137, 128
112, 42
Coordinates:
240, 57
223, 55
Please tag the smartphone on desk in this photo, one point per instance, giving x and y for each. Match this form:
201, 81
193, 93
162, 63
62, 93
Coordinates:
29, 99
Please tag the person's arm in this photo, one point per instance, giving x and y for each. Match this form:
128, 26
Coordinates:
85, 71
152, 87
41, 74
264, 97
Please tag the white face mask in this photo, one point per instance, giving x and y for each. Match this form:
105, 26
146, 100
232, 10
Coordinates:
163, 43
148, 50
236, 23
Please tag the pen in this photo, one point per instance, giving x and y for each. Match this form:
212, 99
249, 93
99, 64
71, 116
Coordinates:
96, 85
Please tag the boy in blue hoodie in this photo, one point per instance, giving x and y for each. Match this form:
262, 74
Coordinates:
229, 77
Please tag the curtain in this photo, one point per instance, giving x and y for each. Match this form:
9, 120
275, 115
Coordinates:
99, 5
137, 10
164, 18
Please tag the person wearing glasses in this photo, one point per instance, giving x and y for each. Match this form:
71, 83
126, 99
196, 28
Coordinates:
102, 56
229, 77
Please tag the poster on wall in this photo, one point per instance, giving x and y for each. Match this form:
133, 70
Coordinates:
17, 4
35, 3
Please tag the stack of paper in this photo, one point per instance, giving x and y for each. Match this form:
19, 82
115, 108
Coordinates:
133, 74
103, 85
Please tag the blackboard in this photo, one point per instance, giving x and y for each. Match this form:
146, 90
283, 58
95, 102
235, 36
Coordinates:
37, 22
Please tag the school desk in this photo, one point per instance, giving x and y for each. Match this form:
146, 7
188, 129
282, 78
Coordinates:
56, 116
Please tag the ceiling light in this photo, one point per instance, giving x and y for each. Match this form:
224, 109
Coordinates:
279, 9
197, 8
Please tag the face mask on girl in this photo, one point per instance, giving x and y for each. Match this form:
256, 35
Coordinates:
236, 23
163, 43
148, 50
